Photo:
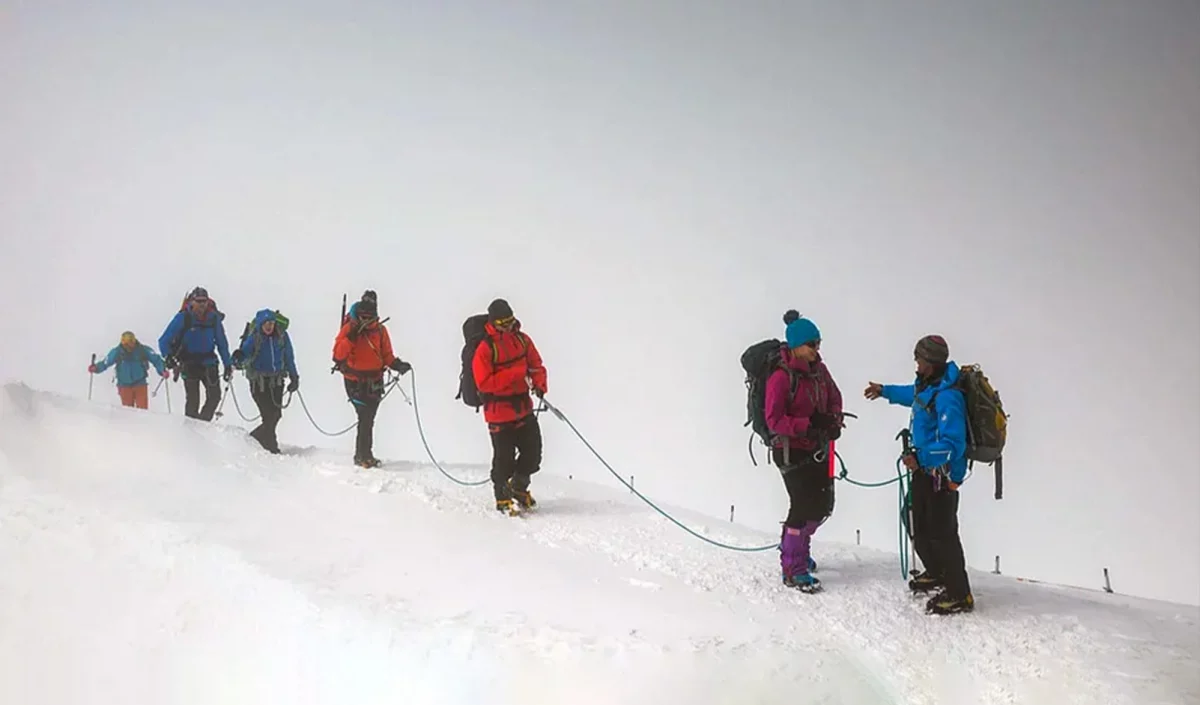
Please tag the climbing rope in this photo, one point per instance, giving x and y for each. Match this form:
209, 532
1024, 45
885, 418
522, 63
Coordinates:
843, 475
425, 442
562, 417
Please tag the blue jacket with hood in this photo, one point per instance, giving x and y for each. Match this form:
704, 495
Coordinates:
274, 354
133, 366
939, 434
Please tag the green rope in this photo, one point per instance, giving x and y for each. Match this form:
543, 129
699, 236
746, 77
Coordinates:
562, 417
421, 432
902, 479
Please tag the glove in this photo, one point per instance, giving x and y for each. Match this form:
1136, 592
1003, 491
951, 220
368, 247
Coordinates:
539, 392
910, 462
294, 385
170, 362
92, 369
823, 421
237, 357
400, 366
166, 374
228, 373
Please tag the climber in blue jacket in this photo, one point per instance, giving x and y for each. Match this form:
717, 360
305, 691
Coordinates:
133, 361
266, 356
190, 344
938, 463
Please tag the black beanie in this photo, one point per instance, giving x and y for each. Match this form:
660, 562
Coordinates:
933, 349
499, 309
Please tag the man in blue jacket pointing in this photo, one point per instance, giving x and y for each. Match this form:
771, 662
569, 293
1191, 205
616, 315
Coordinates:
938, 463
188, 344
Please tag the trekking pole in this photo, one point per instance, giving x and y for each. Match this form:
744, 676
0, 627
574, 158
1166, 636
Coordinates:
905, 437
91, 377
168, 400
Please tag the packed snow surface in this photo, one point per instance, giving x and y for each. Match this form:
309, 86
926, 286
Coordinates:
146, 558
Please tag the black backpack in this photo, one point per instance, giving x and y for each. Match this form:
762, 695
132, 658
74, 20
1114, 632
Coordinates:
474, 333
759, 361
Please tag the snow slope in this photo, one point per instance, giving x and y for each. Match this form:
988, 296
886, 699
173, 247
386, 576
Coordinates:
146, 558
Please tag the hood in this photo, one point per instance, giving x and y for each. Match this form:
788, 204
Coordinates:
262, 317
797, 364
949, 378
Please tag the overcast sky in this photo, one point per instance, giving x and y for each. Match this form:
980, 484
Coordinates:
651, 185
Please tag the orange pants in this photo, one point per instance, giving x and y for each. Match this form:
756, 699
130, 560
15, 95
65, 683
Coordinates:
134, 396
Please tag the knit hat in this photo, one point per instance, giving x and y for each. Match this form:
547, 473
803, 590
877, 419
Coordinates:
367, 307
932, 349
801, 331
499, 310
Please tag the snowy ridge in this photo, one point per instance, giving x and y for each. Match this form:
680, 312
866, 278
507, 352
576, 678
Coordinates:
151, 559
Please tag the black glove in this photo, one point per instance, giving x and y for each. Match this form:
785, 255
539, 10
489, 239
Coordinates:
400, 366
823, 421
237, 357
829, 425
294, 385
228, 373
170, 362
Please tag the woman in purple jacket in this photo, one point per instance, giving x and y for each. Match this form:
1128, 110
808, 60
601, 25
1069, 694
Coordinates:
804, 412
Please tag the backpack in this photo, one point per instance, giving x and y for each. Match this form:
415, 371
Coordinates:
987, 423
474, 333
759, 361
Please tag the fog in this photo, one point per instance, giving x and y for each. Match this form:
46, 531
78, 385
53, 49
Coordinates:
651, 186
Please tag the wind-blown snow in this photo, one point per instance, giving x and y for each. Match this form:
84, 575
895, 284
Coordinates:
146, 558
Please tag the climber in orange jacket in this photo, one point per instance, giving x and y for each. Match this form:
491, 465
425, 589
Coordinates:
506, 367
361, 352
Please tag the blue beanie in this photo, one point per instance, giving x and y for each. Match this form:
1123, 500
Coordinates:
801, 331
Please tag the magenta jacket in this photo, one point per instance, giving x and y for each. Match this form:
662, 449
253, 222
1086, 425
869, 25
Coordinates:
815, 391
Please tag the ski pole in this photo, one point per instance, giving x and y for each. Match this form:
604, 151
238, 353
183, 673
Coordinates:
91, 377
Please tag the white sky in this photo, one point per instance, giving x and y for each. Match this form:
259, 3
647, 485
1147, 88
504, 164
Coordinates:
651, 187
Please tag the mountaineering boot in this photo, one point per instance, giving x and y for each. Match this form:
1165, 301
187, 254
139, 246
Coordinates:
366, 461
944, 603
794, 560
925, 582
804, 582
525, 499
506, 506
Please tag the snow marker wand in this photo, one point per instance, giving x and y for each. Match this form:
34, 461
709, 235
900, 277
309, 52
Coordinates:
91, 377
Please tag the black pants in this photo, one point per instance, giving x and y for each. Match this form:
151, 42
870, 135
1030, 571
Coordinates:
524, 437
935, 534
808, 484
365, 395
194, 375
268, 396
